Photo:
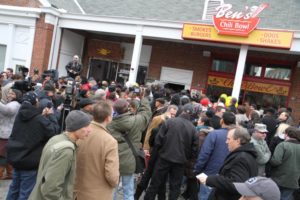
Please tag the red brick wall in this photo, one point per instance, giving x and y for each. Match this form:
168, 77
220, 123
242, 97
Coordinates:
23, 3
42, 45
185, 56
294, 100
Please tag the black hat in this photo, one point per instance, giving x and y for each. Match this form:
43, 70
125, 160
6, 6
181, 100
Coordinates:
85, 101
30, 97
188, 108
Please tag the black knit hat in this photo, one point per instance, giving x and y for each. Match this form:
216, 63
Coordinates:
30, 97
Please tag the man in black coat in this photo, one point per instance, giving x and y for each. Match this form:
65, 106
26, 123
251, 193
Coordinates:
74, 68
32, 129
271, 123
239, 166
177, 143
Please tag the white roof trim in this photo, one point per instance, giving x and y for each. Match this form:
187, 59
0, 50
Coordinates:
121, 20
45, 3
79, 6
20, 11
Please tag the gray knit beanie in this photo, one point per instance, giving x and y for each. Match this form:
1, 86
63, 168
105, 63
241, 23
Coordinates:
77, 119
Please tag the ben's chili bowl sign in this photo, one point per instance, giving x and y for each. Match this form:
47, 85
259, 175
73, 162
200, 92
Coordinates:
239, 23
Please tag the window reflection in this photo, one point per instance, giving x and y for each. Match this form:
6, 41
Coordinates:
278, 72
223, 66
253, 69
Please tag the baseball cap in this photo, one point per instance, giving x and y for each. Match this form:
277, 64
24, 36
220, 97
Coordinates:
260, 127
262, 187
204, 102
188, 108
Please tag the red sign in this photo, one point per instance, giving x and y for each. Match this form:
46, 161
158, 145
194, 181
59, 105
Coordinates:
229, 22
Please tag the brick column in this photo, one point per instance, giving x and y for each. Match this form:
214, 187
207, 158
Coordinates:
42, 45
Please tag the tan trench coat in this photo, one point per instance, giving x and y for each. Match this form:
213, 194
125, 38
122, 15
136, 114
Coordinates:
97, 172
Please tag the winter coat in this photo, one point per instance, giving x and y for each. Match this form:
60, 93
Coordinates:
263, 154
56, 173
272, 125
213, 152
133, 125
155, 122
8, 114
285, 162
238, 166
177, 140
30, 133
97, 172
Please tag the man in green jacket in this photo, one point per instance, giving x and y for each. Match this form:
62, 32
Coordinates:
125, 122
56, 173
285, 162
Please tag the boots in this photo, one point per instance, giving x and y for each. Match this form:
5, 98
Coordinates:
9, 171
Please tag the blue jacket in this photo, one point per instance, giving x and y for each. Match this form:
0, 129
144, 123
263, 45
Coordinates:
213, 152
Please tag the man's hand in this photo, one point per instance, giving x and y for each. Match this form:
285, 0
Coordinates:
47, 111
202, 178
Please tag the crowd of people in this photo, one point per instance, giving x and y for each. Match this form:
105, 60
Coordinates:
79, 138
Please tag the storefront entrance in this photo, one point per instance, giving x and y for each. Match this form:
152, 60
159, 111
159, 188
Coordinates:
114, 71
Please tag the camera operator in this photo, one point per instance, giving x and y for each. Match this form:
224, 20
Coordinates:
47, 99
74, 67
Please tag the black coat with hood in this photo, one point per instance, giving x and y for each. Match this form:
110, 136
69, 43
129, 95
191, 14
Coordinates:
239, 166
30, 133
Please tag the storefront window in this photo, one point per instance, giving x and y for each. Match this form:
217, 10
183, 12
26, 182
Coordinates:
223, 66
123, 73
253, 69
265, 100
214, 92
2, 57
281, 72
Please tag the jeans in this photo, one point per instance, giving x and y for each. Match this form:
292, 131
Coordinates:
22, 184
204, 192
286, 193
162, 169
128, 187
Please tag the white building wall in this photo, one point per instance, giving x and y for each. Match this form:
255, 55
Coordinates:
71, 44
17, 34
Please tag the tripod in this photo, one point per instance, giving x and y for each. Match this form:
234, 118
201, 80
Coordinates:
65, 111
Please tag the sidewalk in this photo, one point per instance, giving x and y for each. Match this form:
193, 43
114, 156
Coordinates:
4, 184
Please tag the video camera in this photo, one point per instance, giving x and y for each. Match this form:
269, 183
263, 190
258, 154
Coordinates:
69, 91
67, 107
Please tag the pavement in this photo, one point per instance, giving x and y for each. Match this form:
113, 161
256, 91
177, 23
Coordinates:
4, 185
